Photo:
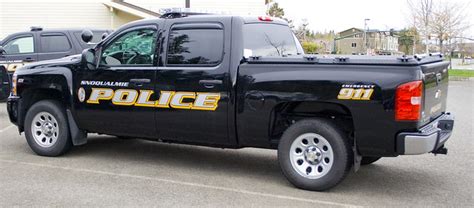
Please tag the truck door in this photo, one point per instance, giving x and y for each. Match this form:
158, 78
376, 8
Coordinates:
109, 99
4, 83
194, 82
19, 49
54, 45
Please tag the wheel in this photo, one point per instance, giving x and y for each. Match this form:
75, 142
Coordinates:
314, 154
368, 160
46, 128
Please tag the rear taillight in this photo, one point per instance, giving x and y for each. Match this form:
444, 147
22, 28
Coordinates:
408, 101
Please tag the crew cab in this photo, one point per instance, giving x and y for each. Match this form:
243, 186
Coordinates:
233, 82
40, 44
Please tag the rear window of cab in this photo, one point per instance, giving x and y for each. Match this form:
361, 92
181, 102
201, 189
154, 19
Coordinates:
269, 40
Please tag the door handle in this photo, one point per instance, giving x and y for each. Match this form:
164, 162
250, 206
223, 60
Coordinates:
210, 83
139, 82
28, 59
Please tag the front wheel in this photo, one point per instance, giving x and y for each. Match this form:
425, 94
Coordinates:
314, 154
46, 128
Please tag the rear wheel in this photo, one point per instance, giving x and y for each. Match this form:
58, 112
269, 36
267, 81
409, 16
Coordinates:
46, 128
314, 154
369, 160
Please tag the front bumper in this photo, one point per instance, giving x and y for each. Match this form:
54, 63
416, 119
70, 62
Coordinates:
430, 138
13, 107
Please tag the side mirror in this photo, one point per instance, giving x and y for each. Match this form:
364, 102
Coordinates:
88, 58
87, 36
2, 50
104, 35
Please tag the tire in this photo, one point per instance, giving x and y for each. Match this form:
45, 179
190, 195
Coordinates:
304, 168
47, 129
368, 160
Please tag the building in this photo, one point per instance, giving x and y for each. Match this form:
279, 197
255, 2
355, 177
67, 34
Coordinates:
20, 15
351, 41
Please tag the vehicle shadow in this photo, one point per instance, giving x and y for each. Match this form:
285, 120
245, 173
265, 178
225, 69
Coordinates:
188, 158
376, 179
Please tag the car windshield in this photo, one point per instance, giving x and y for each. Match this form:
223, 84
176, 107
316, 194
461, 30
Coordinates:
269, 40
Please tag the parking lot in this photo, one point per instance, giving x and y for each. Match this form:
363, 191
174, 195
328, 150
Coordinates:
113, 172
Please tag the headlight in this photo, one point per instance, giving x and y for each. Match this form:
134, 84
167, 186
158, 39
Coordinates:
14, 79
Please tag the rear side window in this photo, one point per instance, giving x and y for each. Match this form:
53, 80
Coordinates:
54, 43
20, 45
202, 47
269, 40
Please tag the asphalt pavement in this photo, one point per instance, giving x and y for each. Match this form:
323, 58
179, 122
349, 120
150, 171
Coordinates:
114, 172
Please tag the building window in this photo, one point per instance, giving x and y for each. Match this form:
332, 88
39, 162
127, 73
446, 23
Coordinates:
354, 45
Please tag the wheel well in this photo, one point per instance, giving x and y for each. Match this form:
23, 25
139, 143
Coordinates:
30, 97
288, 113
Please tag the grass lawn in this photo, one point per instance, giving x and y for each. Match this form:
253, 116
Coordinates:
461, 73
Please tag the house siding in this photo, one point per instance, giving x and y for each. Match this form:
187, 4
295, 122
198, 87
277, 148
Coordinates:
16, 16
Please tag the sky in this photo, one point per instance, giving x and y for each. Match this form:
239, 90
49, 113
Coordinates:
338, 15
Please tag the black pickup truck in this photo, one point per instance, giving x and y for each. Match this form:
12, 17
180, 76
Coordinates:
234, 82
40, 44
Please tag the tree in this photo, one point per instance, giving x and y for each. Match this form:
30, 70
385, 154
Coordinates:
422, 14
443, 19
449, 21
310, 47
407, 38
276, 11
302, 32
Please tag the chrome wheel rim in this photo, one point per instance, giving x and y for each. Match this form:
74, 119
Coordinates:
45, 129
311, 155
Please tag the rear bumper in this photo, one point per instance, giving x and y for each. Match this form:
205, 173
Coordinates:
430, 138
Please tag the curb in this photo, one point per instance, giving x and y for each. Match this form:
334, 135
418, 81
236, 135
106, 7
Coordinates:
461, 78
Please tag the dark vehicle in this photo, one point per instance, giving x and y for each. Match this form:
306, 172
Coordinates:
234, 82
38, 45
4, 84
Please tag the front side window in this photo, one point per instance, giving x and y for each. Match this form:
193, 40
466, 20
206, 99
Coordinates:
132, 48
195, 47
20, 45
269, 40
55, 43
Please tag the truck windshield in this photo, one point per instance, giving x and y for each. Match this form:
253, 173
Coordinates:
269, 40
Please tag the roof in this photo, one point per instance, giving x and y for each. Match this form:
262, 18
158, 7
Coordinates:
350, 29
206, 17
58, 30
131, 9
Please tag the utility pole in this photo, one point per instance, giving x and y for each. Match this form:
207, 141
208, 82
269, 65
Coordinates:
365, 35
188, 4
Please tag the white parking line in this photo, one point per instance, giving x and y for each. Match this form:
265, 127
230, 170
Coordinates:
6, 128
183, 183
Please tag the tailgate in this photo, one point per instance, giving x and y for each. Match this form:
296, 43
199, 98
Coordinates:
435, 90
